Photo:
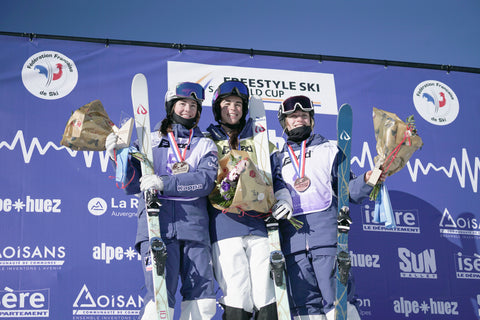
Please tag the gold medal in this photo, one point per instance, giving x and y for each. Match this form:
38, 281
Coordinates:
301, 184
180, 167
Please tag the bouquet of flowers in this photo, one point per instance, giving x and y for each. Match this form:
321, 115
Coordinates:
228, 185
396, 143
88, 128
240, 187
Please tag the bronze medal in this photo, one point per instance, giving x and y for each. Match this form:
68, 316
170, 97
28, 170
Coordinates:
180, 167
301, 184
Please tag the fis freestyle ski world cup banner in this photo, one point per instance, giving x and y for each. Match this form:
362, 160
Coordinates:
68, 230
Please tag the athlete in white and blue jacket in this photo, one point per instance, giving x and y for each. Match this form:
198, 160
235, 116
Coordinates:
183, 191
309, 168
240, 244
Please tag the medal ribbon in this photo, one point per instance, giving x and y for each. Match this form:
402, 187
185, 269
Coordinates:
174, 146
298, 164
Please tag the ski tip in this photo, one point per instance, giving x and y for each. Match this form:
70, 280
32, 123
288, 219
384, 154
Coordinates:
256, 98
139, 76
139, 81
256, 108
255, 101
345, 110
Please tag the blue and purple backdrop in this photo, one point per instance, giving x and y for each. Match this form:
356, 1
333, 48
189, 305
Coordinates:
66, 245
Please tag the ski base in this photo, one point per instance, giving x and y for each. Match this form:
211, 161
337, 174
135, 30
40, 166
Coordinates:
158, 250
344, 139
277, 265
277, 260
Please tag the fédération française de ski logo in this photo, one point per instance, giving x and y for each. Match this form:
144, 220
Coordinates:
49, 75
436, 102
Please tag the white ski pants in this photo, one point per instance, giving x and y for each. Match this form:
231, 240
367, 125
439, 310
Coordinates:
200, 309
242, 269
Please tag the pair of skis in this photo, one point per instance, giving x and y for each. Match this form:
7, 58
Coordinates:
344, 141
158, 251
277, 260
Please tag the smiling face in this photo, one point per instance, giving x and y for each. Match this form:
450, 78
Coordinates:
185, 108
297, 119
231, 109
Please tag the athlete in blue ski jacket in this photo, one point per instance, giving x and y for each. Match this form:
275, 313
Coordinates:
184, 196
229, 225
185, 166
240, 243
309, 168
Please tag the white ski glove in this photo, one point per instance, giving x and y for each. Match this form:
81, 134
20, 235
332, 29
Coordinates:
111, 144
283, 208
151, 181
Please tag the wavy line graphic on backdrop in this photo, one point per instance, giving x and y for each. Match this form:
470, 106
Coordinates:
19, 140
463, 170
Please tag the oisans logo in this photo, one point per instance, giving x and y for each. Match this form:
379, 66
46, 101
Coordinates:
49, 75
436, 102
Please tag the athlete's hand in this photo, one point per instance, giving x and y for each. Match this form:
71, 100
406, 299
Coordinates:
111, 144
151, 181
369, 173
282, 210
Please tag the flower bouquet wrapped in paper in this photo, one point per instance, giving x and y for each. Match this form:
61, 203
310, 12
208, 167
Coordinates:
240, 187
88, 128
396, 143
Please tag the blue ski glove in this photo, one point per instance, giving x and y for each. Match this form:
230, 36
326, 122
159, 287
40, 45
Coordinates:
151, 181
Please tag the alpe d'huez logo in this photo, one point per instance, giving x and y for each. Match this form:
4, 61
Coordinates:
436, 102
49, 75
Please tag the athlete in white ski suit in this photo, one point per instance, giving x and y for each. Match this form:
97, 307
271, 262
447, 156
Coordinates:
240, 244
184, 221
310, 252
